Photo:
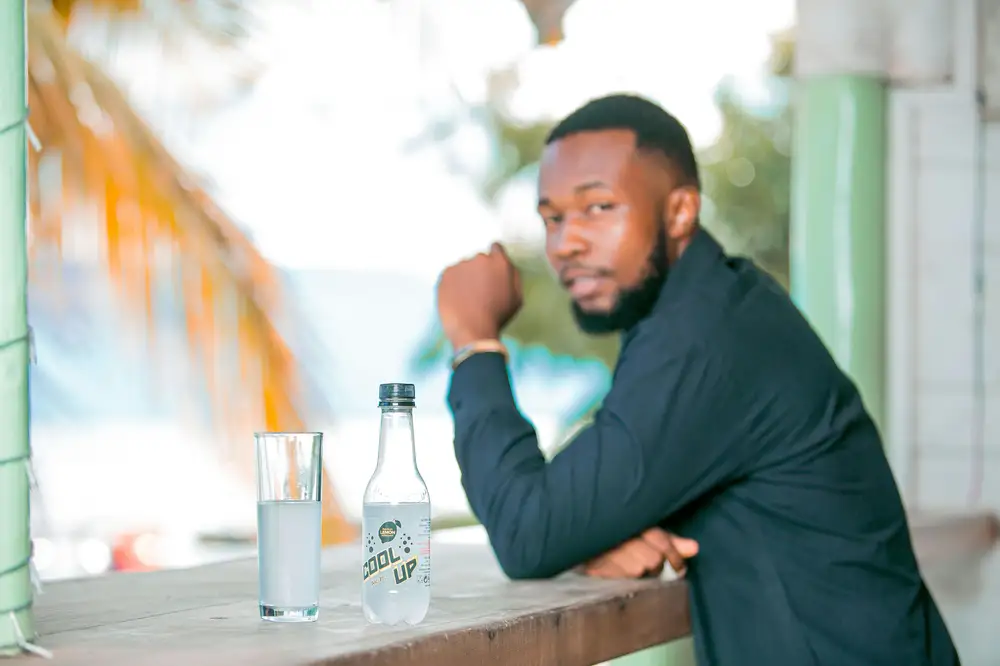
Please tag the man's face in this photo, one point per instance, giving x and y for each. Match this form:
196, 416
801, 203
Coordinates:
606, 206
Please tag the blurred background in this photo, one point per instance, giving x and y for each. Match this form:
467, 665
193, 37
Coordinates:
238, 211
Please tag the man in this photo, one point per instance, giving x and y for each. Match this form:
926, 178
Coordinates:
727, 421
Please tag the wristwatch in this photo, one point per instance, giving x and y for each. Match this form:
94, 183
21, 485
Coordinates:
479, 347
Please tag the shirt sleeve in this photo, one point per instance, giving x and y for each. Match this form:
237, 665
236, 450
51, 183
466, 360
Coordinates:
660, 441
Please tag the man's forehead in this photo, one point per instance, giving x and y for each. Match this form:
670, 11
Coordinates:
593, 146
588, 155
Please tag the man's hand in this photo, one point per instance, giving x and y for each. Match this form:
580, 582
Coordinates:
644, 555
477, 297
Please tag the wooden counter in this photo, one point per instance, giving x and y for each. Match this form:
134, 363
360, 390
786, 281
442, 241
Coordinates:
208, 615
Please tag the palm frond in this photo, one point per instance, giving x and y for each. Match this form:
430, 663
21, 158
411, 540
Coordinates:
158, 228
207, 40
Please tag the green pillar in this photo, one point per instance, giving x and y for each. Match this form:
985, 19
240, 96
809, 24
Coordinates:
16, 622
838, 222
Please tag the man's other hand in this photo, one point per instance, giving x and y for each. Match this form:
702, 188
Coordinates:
477, 297
644, 555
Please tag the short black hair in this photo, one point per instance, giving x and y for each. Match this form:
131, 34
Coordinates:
654, 128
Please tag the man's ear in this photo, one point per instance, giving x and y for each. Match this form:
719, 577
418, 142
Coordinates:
682, 209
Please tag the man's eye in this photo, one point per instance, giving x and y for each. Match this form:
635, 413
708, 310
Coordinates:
603, 207
552, 219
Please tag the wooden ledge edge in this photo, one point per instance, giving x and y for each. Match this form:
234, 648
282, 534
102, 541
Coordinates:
577, 635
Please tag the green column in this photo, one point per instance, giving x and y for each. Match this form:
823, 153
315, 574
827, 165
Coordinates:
838, 222
15, 544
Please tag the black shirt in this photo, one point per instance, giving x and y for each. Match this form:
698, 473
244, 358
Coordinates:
730, 423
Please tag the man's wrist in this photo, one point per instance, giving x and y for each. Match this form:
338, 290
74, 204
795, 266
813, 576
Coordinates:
484, 346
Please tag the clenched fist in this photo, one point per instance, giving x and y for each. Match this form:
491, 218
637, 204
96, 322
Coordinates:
644, 556
477, 297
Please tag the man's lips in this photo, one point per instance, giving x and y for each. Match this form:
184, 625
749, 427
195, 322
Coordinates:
583, 287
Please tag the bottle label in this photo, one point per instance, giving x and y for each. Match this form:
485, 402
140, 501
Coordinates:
397, 546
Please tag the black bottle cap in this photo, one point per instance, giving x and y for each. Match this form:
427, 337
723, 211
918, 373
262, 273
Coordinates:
397, 395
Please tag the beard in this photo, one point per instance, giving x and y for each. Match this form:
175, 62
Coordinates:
633, 304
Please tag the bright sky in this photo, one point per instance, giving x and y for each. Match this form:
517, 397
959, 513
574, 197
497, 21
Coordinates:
313, 162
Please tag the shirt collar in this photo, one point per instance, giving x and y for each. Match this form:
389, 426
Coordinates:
691, 269
694, 265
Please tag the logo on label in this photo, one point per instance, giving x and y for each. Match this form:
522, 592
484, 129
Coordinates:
402, 557
402, 570
387, 532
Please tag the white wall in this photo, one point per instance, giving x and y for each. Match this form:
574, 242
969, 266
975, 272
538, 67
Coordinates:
944, 230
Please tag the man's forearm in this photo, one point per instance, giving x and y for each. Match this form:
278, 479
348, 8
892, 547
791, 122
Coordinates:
493, 442
542, 519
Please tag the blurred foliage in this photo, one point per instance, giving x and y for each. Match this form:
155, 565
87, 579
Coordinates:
101, 172
746, 175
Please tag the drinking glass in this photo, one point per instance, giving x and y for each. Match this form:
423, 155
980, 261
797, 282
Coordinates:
289, 510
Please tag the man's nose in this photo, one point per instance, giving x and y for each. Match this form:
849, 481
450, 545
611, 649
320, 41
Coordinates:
570, 241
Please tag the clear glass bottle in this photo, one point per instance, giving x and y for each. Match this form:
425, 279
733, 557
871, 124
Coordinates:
396, 520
